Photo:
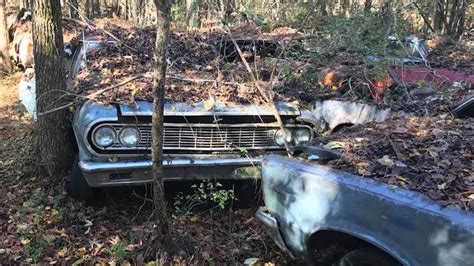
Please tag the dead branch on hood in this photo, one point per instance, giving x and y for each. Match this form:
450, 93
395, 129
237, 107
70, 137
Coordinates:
266, 95
92, 26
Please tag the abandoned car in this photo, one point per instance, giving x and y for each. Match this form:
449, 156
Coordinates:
318, 213
114, 140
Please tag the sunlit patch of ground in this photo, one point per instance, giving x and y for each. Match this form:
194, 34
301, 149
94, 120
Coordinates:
9, 115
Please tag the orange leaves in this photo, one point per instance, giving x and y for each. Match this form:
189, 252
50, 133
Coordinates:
333, 78
380, 85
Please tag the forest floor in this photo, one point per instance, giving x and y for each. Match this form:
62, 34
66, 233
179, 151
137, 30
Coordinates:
39, 223
421, 147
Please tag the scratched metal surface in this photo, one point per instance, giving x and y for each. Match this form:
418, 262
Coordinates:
308, 197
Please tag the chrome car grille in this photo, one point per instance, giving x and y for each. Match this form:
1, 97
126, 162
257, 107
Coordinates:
204, 137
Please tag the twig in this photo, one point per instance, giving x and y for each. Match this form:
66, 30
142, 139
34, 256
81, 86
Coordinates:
145, 200
56, 109
92, 26
83, 24
140, 76
427, 22
287, 44
203, 80
82, 15
262, 92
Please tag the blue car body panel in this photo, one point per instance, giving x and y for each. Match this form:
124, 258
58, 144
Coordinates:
307, 197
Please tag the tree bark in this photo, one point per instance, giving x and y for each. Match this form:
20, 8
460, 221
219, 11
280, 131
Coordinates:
88, 8
74, 6
452, 17
322, 4
439, 15
162, 36
115, 9
53, 130
96, 8
5, 61
24, 4
459, 28
367, 5
192, 14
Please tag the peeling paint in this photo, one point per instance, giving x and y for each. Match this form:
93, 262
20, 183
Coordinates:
412, 228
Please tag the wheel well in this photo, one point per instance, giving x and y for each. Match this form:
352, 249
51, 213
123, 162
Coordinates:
341, 126
339, 243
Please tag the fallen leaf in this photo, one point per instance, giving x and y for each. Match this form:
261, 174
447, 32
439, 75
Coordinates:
251, 261
386, 161
88, 223
61, 253
442, 186
209, 104
335, 145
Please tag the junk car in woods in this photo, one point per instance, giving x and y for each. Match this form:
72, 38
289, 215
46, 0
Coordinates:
203, 136
313, 210
385, 198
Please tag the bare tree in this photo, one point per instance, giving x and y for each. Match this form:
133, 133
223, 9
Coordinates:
162, 36
24, 4
5, 61
53, 132
73, 8
367, 5
96, 8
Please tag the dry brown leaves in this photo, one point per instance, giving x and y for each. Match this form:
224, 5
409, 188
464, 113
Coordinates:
432, 155
192, 57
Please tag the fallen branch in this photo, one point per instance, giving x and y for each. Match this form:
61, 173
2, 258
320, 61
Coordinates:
427, 22
141, 76
94, 95
264, 94
56, 109
203, 80
92, 26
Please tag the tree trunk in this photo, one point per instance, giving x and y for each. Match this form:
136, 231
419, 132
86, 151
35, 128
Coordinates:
367, 5
24, 4
115, 9
322, 4
192, 14
455, 27
452, 17
73, 8
461, 17
162, 36
88, 8
5, 61
54, 130
439, 15
96, 8
345, 4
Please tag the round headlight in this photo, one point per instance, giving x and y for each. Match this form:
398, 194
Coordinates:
302, 136
104, 136
129, 136
280, 138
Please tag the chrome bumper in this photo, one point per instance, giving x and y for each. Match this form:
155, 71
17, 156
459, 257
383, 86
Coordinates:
100, 174
271, 225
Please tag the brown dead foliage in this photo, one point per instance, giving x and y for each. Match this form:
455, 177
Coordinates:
200, 64
453, 56
431, 155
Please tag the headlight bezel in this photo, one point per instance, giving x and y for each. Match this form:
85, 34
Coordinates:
97, 141
120, 137
292, 132
278, 137
297, 139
